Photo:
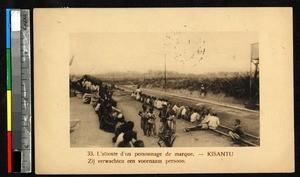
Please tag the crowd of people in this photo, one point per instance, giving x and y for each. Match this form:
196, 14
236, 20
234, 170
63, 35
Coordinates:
170, 111
110, 118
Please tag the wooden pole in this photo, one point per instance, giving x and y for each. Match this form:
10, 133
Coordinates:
165, 72
250, 73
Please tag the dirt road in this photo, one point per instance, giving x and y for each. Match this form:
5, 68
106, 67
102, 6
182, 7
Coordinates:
227, 114
89, 134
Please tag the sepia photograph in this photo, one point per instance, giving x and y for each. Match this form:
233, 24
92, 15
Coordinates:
164, 89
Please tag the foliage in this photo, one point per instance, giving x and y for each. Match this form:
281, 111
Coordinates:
237, 87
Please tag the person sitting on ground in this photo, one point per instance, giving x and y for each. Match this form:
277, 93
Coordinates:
179, 112
107, 121
94, 88
141, 97
143, 114
238, 133
188, 114
121, 126
133, 94
139, 143
102, 108
114, 114
151, 101
195, 116
165, 102
155, 102
128, 129
86, 98
184, 112
103, 91
113, 102
210, 122
151, 127
88, 85
148, 100
176, 109
126, 140
159, 104
98, 105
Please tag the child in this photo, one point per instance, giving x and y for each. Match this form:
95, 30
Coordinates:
151, 127
143, 115
163, 118
238, 132
171, 121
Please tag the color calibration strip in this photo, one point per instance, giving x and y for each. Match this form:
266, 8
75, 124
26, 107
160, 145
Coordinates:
8, 87
18, 90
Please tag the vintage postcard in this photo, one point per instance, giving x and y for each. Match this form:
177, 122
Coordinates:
139, 91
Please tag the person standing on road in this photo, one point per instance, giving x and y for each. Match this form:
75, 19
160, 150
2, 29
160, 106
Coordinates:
151, 127
138, 93
202, 91
171, 121
143, 114
163, 118
238, 133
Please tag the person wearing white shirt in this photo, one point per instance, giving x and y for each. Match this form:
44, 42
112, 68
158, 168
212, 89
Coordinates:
126, 139
179, 112
155, 103
88, 85
176, 109
195, 116
138, 93
210, 122
183, 112
159, 104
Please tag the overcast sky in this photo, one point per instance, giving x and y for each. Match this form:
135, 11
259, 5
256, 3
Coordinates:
195, 53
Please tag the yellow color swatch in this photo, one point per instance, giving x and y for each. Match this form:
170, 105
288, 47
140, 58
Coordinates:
9, 110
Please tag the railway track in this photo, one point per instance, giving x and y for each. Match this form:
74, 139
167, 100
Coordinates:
249, 140
170, 95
